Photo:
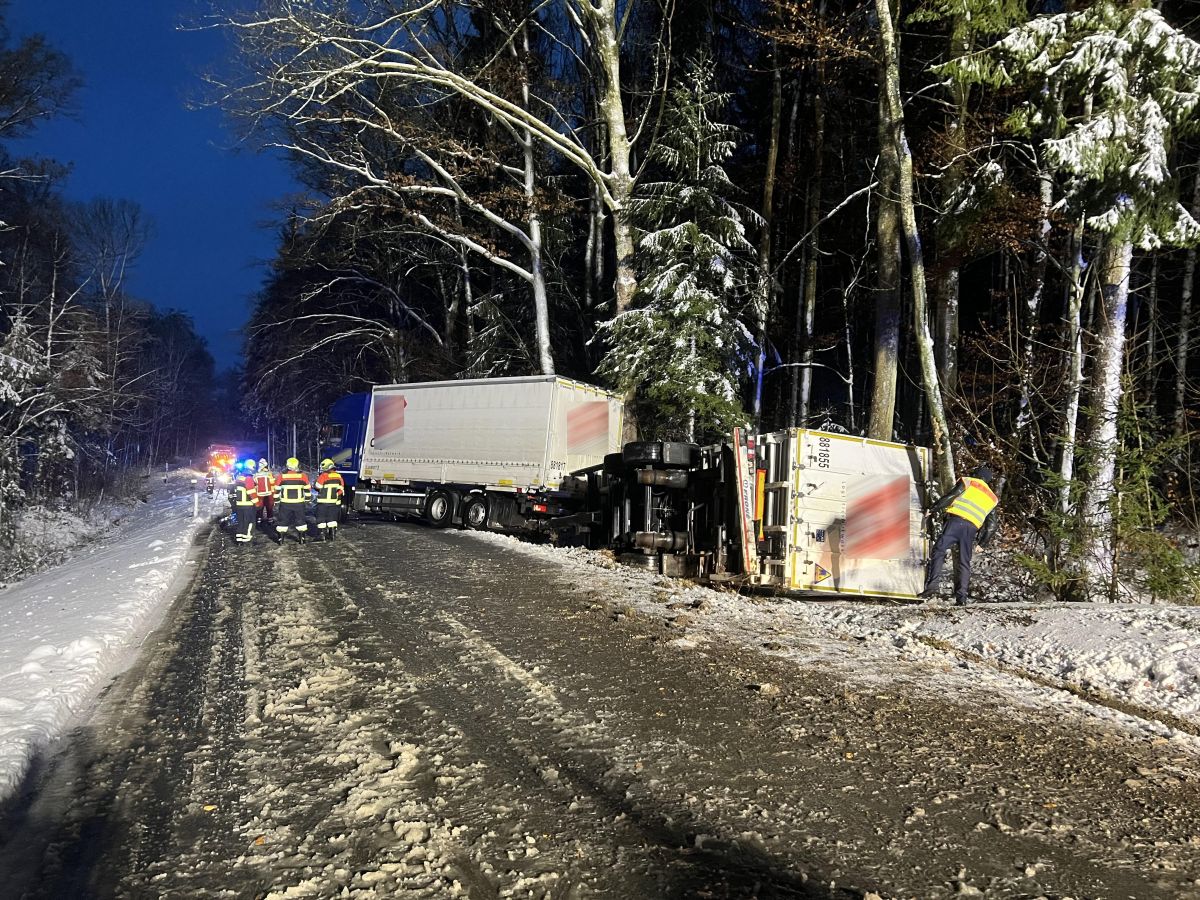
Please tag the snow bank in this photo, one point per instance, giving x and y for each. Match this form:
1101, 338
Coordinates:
1143, 656
45, 536
66, 631
1141, 659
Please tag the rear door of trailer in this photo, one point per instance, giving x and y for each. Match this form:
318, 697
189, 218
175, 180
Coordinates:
585, 426
857, 516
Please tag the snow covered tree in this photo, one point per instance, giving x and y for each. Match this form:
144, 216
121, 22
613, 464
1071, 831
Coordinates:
1115, 85
679, 346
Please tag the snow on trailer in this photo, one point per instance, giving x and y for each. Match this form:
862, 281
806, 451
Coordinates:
486, 451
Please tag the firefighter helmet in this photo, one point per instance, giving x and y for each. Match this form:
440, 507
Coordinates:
293, 464
263, 465
326, 464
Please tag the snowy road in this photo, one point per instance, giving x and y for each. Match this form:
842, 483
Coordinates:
417, 713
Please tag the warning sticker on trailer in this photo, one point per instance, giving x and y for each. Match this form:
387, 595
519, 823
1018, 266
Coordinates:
821, 574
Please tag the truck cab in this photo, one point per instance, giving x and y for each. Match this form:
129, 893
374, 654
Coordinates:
342, 436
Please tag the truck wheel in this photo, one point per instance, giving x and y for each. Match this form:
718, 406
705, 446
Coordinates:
677, 453
475, 512
670, 454
439, 509
642, 453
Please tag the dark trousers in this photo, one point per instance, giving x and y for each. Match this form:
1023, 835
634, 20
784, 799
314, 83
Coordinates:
245, 522
960, 533
290, 517
327, 515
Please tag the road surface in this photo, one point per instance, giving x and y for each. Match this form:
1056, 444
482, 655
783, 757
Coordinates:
426, 714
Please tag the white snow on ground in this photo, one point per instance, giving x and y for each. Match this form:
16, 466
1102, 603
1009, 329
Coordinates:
1143, 659
46, 535
65, 632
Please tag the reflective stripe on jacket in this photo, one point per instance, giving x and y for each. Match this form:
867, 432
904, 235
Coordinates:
976, 501
292, 487
244, 492
330, 487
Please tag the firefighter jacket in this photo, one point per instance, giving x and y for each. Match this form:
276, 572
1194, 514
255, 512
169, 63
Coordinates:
243, 492
264, 481
330, 487
974, 503
292, 487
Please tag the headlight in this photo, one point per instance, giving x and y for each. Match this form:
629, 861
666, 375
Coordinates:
226, 478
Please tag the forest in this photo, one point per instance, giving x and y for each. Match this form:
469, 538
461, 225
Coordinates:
96, 384
966, 224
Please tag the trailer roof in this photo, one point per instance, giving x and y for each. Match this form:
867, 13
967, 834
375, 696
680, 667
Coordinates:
519, 379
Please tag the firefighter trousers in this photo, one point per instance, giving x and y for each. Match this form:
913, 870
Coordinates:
244, 532
290, 517
328, 515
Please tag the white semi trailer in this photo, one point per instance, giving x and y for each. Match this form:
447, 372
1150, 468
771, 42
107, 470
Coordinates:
493, 452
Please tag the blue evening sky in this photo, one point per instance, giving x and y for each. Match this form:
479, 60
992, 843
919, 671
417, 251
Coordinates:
134, 137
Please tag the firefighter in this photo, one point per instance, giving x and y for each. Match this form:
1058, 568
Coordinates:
235, 475
292, 494
970, 512
243, 496
330, 488
264, 481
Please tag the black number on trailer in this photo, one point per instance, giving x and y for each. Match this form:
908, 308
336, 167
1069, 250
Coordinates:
824, 446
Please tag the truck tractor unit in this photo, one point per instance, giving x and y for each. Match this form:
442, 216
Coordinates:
494, 453
796, 510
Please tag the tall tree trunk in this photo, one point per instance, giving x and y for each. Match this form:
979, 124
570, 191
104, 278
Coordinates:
892, 114
620, 177
1074, 367
1031, 314
590, 298
1182, 343
848, 336
762, 298
794, 348
880, 424
1099, 550
541, 302
946, 282
813, 254
1151, 315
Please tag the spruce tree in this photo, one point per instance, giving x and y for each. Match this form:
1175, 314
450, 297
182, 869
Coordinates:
681, 344
1111, 87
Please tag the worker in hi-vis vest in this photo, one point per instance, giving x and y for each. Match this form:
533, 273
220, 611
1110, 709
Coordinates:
330, 489
292, 494
969, 511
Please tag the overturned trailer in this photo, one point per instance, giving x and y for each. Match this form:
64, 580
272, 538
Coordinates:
797, 510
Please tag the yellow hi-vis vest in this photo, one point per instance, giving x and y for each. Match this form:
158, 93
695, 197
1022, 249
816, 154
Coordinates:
975, 502
330, 487
292, 487
243, 495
